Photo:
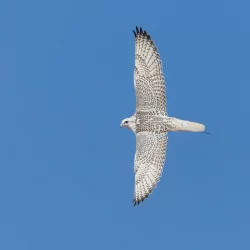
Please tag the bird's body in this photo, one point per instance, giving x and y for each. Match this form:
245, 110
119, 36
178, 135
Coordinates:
151, 122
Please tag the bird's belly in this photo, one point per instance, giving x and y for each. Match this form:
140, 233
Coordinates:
155, 124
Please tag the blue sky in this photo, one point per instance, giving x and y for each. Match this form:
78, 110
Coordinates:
66, 167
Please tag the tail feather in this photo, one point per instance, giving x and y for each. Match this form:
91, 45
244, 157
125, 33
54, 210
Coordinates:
192, 126
182, 125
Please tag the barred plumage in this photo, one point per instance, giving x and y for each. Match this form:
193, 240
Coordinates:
150, 122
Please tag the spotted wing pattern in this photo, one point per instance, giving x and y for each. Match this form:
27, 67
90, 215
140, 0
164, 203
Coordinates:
150, 90
149, 162
148, 75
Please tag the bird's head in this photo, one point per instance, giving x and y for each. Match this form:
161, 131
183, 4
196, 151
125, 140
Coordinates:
128, 123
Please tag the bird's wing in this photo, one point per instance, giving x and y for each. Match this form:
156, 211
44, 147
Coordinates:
149, 80
149, 162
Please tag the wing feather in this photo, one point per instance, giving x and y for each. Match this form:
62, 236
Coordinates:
149, 80
149, 162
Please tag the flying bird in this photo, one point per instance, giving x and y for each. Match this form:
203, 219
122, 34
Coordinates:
150, 122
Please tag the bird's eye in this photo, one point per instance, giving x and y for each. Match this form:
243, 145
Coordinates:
126, 121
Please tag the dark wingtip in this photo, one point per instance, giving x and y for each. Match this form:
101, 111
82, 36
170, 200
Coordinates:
140, 31
135, 202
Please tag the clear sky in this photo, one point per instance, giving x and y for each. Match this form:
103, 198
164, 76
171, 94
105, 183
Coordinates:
66, 167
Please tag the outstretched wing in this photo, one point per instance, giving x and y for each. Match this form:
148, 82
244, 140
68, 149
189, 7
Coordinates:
149, 162
148, 75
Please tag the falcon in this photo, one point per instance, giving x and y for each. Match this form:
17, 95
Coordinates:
150, 122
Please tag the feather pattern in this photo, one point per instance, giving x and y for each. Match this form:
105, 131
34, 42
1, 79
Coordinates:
149, 80
149, 162
150, 121
150, 91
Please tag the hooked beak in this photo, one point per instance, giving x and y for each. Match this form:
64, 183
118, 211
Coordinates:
121, 125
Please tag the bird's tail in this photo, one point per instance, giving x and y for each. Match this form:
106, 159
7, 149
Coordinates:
182, 125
